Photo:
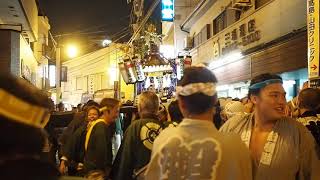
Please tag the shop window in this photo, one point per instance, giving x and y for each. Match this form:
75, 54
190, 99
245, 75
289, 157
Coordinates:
52, 75
234, 13
205, 33
64, 73
197, 40
237, 15
260, 3
219, 23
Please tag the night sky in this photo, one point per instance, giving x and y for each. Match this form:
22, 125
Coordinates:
81, 21
69, 16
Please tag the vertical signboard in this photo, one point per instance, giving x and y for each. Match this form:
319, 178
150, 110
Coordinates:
167, 10
64, 73
313, 38
91, 84
52, 75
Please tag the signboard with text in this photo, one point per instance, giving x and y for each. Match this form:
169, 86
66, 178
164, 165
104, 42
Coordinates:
167, 10
64, 73
236, 38
91, 84
313, 38
240, 36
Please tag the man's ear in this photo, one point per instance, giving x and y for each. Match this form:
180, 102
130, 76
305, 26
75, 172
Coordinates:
254, 99
297, 102
182, 106
104, 113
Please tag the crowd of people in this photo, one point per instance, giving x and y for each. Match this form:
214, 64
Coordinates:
197, 136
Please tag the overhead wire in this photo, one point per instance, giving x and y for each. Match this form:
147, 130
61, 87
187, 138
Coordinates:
121, 31
88, 33
103, 25
115, 41
84, 33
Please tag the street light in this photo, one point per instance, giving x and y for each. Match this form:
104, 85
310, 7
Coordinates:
72, 51
106, 42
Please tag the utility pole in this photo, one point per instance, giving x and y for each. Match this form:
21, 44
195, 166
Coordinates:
58, 74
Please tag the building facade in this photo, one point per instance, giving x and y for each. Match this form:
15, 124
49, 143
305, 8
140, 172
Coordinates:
94, 76
240, 39
175, 37
23, 41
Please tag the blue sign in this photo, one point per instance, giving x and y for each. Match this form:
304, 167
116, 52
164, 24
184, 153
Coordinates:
167, 10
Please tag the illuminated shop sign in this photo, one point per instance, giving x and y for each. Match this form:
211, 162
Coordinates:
313, 38
167, 10
52, 75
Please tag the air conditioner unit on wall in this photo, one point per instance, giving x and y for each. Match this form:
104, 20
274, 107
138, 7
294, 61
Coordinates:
241, 3
188, 43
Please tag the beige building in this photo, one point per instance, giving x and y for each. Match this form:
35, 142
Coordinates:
242, 38
174, 36
23, 41
94, 76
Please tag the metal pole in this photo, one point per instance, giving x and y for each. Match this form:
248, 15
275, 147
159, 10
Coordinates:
118, 74
58, 74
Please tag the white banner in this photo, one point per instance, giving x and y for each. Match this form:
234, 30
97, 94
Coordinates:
91, 84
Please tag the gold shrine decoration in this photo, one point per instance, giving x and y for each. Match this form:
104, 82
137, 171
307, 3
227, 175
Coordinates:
20, 111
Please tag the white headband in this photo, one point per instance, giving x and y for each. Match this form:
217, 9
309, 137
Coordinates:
21, 111
104, 109
208, 89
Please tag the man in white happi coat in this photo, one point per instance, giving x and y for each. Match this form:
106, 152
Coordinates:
195, 149
281, 148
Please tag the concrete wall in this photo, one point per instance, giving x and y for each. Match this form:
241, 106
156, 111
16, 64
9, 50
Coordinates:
9, 52
167, 30
217, 8
21, 52
43, 34
15, 53
286, 15
31, 11
39, 51
16, 56
182, 9
29, 63
5, 50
